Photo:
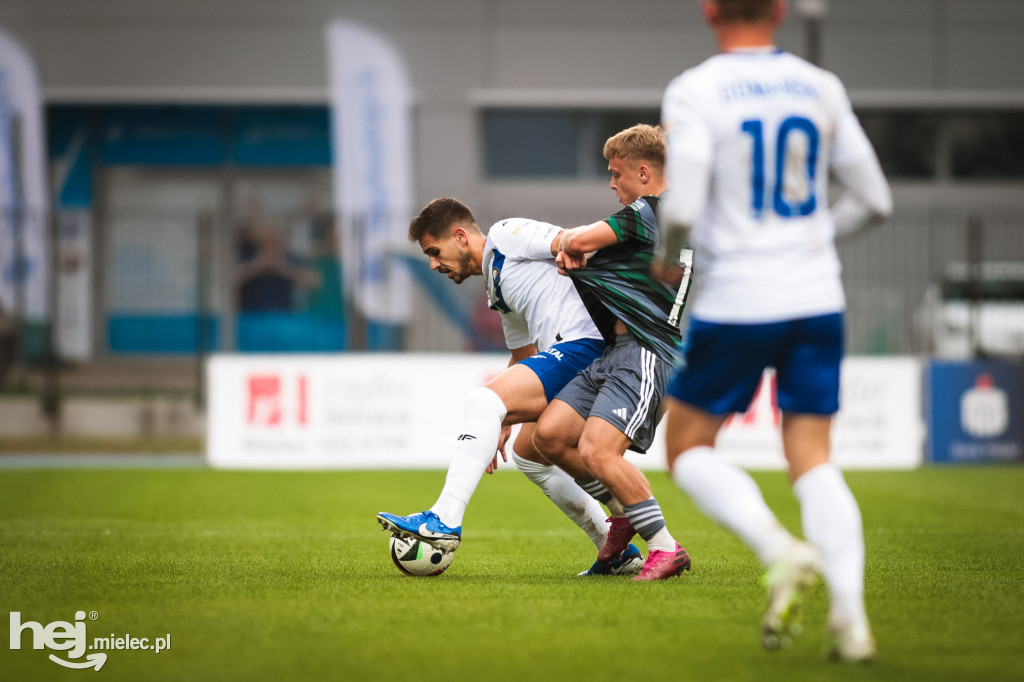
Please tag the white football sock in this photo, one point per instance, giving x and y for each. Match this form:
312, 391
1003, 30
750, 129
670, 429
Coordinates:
662, 540
478, 442
729, 496
832, 522
581, 508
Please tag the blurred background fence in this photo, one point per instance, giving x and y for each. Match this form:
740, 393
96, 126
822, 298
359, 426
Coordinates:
170, 287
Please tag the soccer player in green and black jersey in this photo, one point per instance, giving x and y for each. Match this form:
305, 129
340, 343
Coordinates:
617, 283
615, 404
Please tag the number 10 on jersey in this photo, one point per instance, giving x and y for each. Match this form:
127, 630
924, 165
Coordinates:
795, 167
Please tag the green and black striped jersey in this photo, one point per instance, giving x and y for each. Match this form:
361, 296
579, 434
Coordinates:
617, 282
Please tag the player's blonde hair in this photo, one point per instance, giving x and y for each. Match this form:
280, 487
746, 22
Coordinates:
641, 143
744, 11
439, 216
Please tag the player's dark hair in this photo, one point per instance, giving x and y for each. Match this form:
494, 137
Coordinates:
440, 216
641, 143
744, 11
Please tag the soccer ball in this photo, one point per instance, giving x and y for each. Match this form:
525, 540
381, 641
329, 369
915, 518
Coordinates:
414, 557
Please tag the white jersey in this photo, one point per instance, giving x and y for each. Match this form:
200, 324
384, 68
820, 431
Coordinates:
538, 306
769, 126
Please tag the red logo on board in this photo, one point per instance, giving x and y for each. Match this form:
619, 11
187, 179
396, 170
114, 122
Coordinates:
264, 400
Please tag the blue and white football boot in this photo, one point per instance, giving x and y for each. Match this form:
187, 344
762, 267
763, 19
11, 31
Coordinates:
425, 526
629, 562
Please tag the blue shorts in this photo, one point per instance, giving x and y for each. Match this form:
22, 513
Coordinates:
557, 365
724, 363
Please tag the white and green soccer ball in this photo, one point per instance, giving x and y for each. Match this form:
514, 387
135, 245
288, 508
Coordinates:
414, 557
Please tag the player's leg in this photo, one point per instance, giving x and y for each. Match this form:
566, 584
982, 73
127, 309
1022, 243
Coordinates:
601, 450
519, 394
557, 433
724, 364
602, 447
514, 396
560, 488
556, 438
808, 379
559, 429
517, 391
832, 521
624, 415
722, 491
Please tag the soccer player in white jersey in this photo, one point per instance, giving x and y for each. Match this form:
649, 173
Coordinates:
753, 133
551, 337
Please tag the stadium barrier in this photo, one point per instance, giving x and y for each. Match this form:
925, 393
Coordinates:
360, 411
975, 411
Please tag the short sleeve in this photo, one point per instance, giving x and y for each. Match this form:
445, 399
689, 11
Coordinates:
517, 334
524, 238
636, 222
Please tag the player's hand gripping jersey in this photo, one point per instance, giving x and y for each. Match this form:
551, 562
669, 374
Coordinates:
768, 127
537, 305
617, 282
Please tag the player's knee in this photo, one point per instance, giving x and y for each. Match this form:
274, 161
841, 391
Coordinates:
548, 443
484, 401
544, 444
591, 454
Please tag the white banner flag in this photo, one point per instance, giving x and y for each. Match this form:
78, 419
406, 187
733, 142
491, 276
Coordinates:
23, 195
372, 138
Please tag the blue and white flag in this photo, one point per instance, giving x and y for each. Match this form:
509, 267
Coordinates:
23, 194
373, 178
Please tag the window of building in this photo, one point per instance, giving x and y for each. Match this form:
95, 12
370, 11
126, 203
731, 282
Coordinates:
906, 142
549, 143
987, 145
922, 144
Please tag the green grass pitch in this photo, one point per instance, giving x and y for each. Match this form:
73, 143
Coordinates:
286, 576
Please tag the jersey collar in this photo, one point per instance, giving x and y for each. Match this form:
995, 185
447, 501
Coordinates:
768, 49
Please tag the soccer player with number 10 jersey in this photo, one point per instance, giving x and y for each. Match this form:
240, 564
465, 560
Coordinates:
753, 134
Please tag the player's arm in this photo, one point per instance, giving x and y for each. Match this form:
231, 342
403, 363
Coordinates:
680, 211
531, 239
585, 239
866, 200
518, 354
577, 245
688, 159
521, 353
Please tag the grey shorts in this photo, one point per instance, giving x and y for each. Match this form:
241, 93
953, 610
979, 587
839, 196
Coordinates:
624, 387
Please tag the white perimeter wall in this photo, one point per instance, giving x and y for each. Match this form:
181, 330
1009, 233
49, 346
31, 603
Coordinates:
405, 410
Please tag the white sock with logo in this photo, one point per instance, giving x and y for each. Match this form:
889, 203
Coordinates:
729, 496
478, 442
580, 507
832, 522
